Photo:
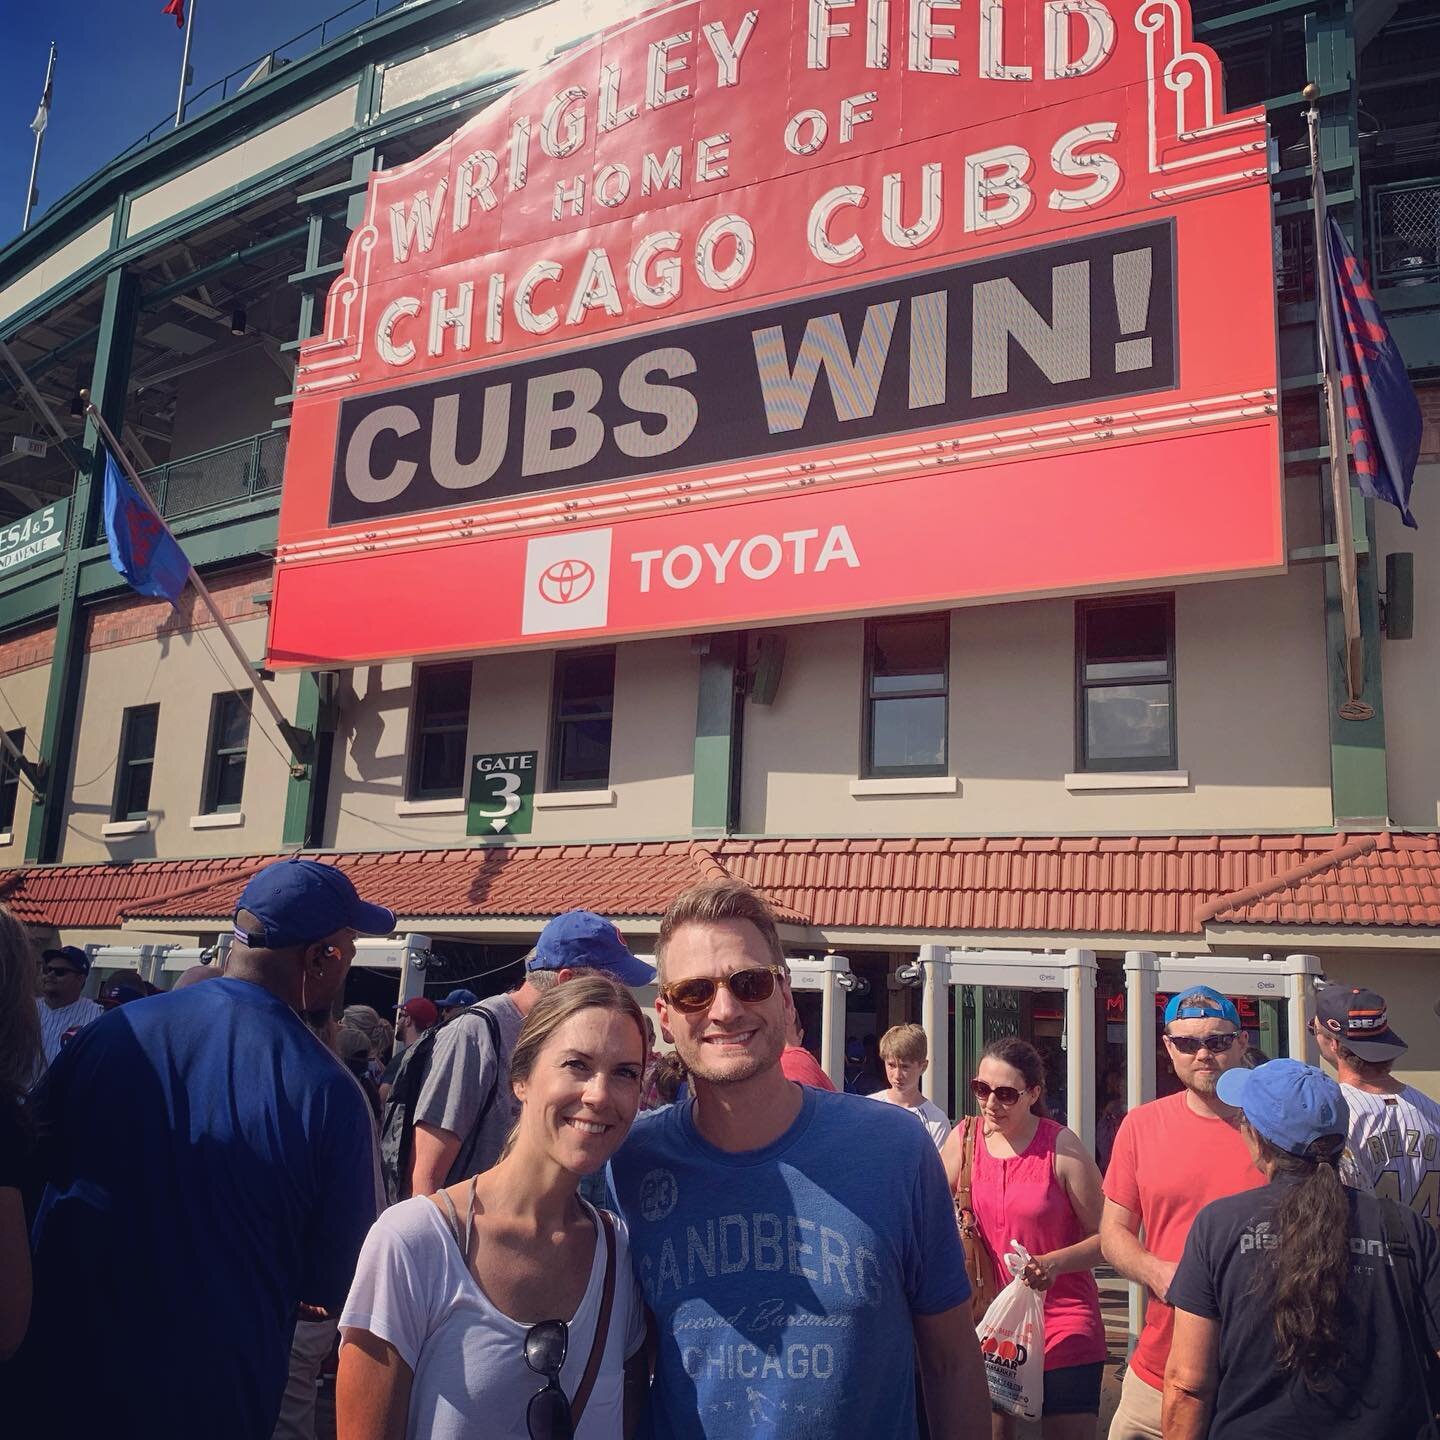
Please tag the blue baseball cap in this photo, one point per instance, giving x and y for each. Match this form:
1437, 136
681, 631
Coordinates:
458, 1000
1200, 1002
1290, 1104
300, 901
581, 939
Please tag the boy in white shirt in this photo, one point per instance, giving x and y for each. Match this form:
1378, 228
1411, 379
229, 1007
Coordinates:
906, 1055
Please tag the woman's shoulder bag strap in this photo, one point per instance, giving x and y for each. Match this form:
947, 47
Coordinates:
602, 1324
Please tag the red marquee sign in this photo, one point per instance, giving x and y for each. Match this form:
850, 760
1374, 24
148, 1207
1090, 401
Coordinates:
807, 307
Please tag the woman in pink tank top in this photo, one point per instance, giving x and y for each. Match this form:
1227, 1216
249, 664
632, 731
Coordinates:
1034, 1182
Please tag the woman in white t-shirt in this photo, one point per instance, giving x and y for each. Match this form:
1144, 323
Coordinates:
475, 1311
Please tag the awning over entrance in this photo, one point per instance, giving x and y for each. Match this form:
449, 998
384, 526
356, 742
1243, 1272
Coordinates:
1126, 886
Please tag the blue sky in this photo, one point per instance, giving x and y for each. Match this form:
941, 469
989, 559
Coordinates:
117, 75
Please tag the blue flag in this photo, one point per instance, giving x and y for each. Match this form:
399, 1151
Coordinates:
1382, 415
142, 549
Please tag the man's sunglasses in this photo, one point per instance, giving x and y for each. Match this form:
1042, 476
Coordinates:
751, 986
55, 972
548, 1415
1216, 1044
1005, 1094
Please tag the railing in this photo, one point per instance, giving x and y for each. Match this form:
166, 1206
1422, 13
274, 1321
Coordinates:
220, 476
352, 17
1405, 232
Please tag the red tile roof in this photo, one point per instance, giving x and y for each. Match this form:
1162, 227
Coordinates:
531, 881
1376, 881
1161, 885
92, 897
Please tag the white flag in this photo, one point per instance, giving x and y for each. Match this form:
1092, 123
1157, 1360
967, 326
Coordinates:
42, 117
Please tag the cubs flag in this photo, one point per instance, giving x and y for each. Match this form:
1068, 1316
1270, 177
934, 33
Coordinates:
1382, 415
142, 549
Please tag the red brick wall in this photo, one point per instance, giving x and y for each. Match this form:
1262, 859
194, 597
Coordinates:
129, 621
26, 648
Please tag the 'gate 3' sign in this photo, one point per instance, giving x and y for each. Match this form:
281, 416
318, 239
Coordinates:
962, 301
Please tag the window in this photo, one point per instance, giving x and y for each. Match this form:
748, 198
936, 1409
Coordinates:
442, 727
907, 695
583, 710
225, 754
1125, 684
137, 762
9, 780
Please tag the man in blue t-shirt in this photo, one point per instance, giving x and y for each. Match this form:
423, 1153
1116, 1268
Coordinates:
212, 1168
798, 1248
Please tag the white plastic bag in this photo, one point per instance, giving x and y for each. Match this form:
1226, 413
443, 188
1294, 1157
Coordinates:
1012, 1342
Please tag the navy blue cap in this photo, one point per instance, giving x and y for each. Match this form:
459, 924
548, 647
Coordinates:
300, 901
581, 939
1290, 1104
73, 953
458, 1000
1200, 1002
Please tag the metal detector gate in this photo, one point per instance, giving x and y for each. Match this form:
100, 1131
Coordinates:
831, 976
1072, 972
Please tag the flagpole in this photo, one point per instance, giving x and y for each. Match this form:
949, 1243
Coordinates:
295, 739
185, 65
1335, 423
39, 138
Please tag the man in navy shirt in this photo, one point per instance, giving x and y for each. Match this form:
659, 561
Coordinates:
212, 1168
797, 1247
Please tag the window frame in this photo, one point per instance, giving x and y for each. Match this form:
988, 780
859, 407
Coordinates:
10, 781
869, 770
126, 763
419, 731
563, 659
1083, 610
216, 755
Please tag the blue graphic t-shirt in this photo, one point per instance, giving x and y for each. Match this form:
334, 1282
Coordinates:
784, 1280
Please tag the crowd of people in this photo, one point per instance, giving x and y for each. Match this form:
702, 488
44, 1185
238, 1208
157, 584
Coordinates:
518, 1220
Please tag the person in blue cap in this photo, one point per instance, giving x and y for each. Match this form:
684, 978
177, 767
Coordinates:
465, 1113
1169, 1158
457, 1000
236, 1157
1304, 1308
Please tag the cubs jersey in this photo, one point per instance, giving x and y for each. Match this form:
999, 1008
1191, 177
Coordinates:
1392, 1148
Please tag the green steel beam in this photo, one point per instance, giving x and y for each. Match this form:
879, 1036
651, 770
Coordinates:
300, 792
716, 738
62, 702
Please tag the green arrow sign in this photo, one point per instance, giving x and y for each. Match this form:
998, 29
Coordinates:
502, 789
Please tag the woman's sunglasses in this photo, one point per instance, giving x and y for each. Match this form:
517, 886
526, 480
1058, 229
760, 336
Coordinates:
548, 1414
1004, 1094
751, 986
1216, 1044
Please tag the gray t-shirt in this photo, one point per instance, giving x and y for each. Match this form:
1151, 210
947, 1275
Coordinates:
463, 1070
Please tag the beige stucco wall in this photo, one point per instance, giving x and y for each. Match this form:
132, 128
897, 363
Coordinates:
24, 695
652, 749
1410, 984
1411, 668
1245, 650
178, 673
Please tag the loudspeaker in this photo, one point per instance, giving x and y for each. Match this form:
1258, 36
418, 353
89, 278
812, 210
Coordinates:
1400, 595
769, 664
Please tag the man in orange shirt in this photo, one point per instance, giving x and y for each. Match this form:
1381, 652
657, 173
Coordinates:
1172, 1157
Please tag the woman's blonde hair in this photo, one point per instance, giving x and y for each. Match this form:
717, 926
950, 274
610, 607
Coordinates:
559, 1004
19, 1024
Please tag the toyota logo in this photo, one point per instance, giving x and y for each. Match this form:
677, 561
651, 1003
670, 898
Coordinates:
567, 581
